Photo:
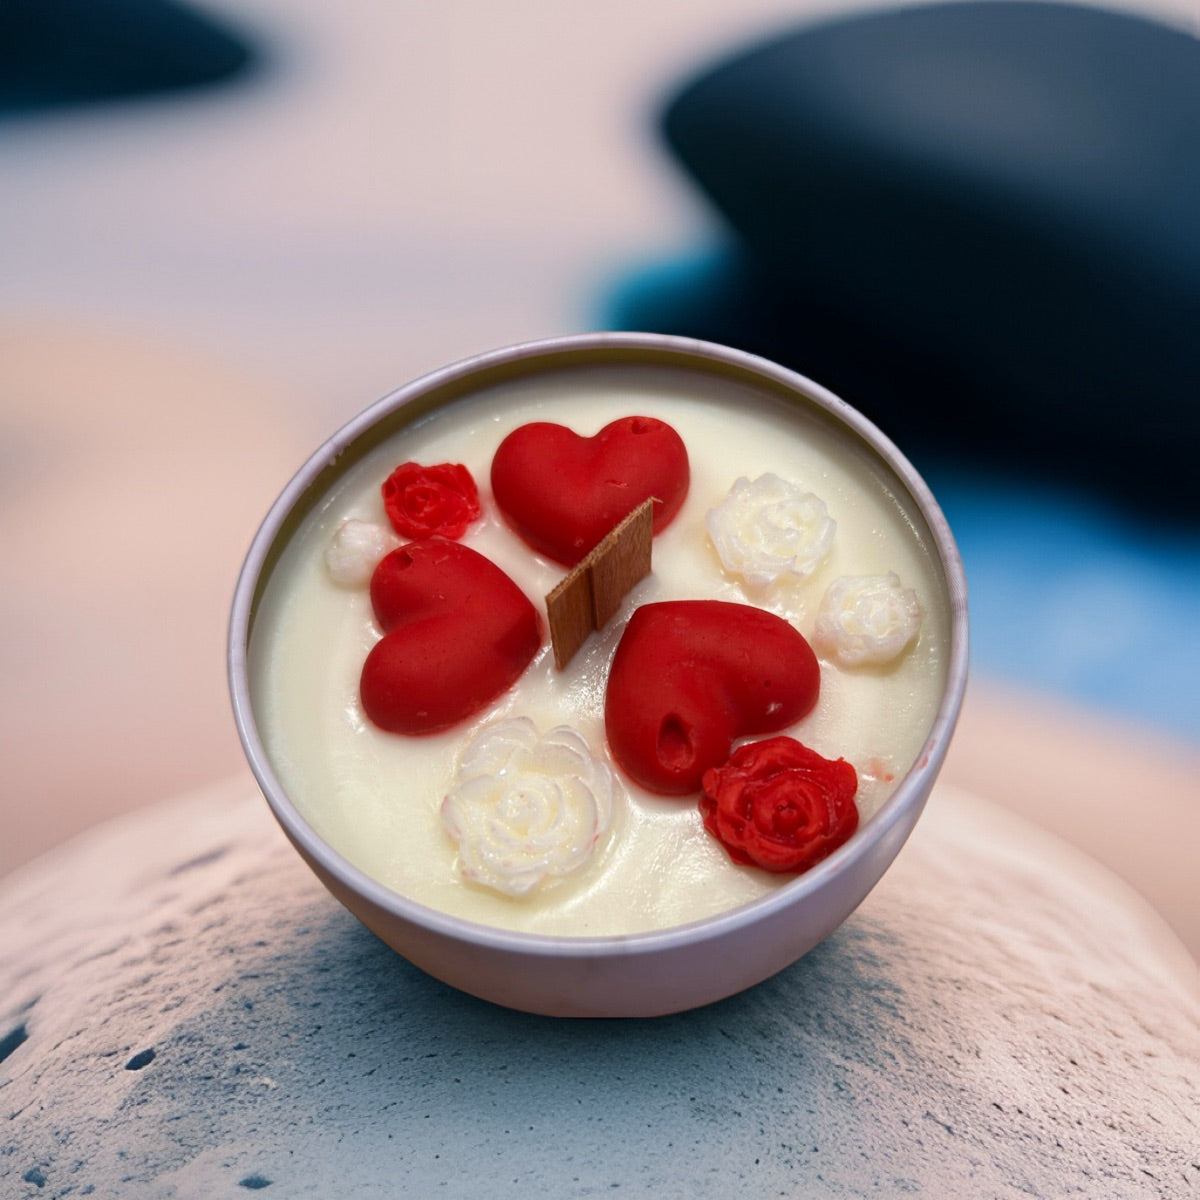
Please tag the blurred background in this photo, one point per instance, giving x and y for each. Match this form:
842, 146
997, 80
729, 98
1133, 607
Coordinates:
226, 228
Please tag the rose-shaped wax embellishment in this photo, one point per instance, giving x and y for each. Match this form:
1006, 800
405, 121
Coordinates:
780, 806
768, 530
866, 620
526, 808
436, 501
355, 550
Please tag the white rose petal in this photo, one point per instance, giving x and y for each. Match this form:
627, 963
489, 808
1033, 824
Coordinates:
866, 620
769, 530
525, 808
354, 552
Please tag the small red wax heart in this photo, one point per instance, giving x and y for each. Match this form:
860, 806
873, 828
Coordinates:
457, 632
562, 492
690, 676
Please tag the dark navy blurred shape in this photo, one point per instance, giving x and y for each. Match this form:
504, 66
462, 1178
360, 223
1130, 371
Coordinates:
979, 222
60, 53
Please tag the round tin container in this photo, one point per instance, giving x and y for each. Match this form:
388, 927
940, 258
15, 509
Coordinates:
640, 974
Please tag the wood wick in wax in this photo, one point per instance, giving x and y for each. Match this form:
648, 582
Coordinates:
586, 598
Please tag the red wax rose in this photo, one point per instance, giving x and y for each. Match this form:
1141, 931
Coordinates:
437, 501
780, 806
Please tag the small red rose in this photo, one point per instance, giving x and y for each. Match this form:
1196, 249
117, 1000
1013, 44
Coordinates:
437, 501
780, 806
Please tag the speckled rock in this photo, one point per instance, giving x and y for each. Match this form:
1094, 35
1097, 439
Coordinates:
186, 1013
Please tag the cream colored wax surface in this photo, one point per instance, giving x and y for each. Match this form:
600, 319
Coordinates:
375, 796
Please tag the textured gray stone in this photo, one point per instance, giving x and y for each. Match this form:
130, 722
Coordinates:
186, 1013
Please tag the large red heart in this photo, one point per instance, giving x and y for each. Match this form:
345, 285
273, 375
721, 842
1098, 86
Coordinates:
690, 676
562, 492
457, 632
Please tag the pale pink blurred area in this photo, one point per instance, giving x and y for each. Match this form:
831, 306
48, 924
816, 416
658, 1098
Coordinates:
135, 473
195, 291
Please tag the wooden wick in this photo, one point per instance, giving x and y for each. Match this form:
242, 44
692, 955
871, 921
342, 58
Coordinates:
585, 599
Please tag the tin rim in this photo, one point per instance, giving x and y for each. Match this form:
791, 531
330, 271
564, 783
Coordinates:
440, 387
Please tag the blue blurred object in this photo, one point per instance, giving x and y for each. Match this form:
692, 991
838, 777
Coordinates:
979, 222
1073, 597
60, 53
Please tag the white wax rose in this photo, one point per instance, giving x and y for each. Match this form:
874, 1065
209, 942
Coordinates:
768, 531
866, 620
525, 808
354, 552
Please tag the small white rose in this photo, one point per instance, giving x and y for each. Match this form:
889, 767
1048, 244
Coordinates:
354, 552
768, 530
525, 808
866, 620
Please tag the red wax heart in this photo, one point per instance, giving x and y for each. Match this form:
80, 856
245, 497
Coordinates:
457, 633
690, 676
562, 492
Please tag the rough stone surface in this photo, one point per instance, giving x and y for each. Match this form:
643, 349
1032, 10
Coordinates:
184, 1012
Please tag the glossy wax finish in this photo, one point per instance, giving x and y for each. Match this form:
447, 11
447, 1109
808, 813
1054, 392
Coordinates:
642, 974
